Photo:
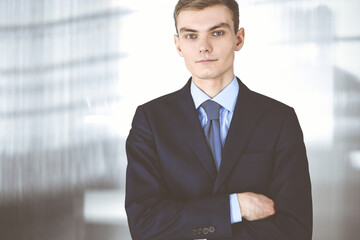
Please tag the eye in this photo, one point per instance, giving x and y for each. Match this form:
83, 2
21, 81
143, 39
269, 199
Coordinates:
190, 36
218, 33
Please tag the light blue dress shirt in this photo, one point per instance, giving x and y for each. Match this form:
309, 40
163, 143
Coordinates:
227, 99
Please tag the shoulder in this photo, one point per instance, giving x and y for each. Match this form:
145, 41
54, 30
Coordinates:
164, 102
270, 104
152, 111
160, 103
277, 116
272, 113
265, 103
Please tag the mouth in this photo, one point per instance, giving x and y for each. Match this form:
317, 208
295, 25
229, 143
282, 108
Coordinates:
206, 61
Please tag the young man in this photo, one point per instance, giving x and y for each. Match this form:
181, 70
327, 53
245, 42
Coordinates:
216, 160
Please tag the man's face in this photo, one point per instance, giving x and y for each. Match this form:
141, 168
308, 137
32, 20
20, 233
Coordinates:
207, 41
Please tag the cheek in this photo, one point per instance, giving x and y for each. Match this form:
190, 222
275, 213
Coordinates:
189, 57
186, 49
229, 54
188, 63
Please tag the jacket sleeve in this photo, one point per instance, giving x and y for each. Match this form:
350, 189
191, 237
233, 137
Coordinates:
152, 213
289, 188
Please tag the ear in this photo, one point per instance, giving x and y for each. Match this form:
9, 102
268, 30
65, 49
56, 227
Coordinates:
177, 44
240, 36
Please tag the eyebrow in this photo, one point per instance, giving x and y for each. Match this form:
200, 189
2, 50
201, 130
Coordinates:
226, 25
185, 29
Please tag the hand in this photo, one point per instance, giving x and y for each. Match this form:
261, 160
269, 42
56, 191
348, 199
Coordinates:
255, 206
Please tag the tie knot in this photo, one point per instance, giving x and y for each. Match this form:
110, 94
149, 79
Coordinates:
212, 109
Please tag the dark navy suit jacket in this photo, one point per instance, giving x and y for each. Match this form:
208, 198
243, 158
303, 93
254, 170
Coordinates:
173, 190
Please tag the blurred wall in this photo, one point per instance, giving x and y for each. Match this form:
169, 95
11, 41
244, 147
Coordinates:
59, 80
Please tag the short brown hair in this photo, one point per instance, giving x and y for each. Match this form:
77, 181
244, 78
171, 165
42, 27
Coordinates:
201, 4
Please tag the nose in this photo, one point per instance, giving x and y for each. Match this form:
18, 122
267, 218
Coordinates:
205, 45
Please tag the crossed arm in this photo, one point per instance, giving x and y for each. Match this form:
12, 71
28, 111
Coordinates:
254, 206
154, 214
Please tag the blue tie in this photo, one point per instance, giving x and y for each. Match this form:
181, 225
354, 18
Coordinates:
212, 129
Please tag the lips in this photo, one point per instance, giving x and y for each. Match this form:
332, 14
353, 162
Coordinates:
206, 60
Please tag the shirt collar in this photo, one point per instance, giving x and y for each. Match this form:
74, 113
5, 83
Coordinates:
226, 98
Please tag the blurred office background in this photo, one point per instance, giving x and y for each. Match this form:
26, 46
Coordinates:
73, 71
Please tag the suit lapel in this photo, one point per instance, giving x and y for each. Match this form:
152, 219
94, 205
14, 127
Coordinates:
245, 118
186, 119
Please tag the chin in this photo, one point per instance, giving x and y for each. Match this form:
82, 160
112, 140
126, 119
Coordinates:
205, 76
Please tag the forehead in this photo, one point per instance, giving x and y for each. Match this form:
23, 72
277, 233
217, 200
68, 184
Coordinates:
205, 18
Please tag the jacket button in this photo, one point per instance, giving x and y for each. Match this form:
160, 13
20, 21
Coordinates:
205, 230
211, 229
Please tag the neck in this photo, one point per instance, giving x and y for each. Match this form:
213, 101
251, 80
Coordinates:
212, 87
